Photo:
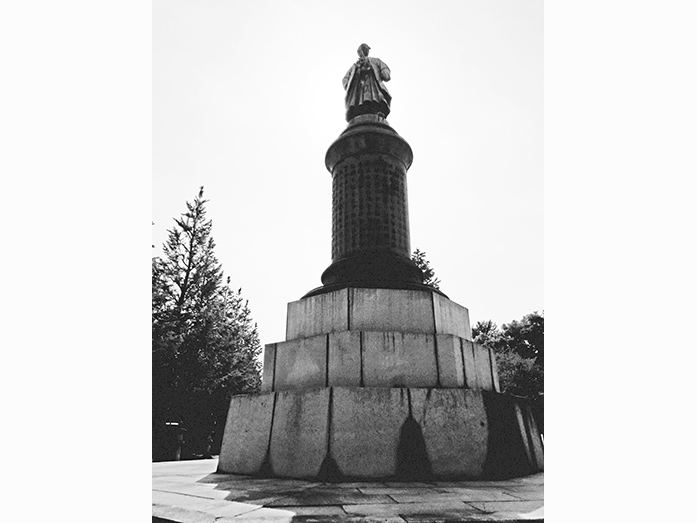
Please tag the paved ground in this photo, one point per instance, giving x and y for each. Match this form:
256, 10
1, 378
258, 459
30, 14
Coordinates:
191, 492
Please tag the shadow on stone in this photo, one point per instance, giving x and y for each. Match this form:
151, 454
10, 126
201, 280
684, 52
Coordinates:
506, 450
265, 470
412, 459
329, 471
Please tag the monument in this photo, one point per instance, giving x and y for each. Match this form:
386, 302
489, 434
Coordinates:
378, 376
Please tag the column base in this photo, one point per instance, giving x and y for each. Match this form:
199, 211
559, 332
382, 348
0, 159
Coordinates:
400, 434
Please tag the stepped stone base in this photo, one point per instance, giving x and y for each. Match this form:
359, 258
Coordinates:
345, 433
379, 359
418, 311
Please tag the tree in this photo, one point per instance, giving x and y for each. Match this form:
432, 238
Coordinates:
519, 349
204, 343
527, 336
429, 275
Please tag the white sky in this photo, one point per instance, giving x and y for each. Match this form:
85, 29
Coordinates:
247, 97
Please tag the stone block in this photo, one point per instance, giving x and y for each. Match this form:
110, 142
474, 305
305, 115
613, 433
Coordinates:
454, 427
483, 367
450, 317
399, 359
510, 452
371, 309
450, 364
471, 380
391, 310
365, 429
301, 363
299, 435
269, 366
534, 437
529, 434
494, 370
246, 434
345, 359
318, 315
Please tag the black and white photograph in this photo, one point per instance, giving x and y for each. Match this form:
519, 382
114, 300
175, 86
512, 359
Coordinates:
298, 261
348, 313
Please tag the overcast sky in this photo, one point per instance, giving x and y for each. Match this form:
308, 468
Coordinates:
247, 97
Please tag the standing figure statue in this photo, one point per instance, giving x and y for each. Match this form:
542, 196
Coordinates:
364, 84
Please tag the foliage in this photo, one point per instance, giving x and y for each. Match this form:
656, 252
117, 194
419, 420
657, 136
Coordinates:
519, 349
204, 343
429, 275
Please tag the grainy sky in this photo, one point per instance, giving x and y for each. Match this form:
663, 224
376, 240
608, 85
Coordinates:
247, 97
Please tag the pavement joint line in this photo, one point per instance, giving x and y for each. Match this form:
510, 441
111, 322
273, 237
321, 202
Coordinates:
184, 494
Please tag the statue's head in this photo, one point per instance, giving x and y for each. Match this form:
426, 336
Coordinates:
363, 50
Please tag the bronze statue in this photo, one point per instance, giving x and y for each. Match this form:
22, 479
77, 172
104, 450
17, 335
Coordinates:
364, 84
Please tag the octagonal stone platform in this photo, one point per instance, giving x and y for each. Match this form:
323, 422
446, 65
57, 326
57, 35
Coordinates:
344, 433
380, 383
391, 310
379, 359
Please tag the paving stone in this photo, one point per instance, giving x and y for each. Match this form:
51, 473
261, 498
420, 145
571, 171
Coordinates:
315, 511
525, 493
365, 428
177, 479
506, 506
440, 485
195, 489
247, 430
200, 467
357, 484
451, 317
397, 490
534, 479
168, 513
402, 509
262, 515
451, 369
226, 478
299, 435
301, 363
216, 507
456, 494
450, 517
345, 359
399, 359
263, 495
454, 427
318, 315
345, 519
314, 498
407, 484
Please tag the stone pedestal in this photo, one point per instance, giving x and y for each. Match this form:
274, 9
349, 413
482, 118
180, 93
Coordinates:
349, 433
380, 383
378, 376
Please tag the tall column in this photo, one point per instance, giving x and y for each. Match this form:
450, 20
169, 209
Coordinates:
370, 215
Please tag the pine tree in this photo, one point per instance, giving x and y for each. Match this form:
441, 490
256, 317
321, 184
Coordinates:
429, 275
205, 344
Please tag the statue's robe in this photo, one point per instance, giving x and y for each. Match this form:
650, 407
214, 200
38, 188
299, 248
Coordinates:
365, 90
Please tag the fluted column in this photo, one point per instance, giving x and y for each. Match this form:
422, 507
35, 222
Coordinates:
370, 214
